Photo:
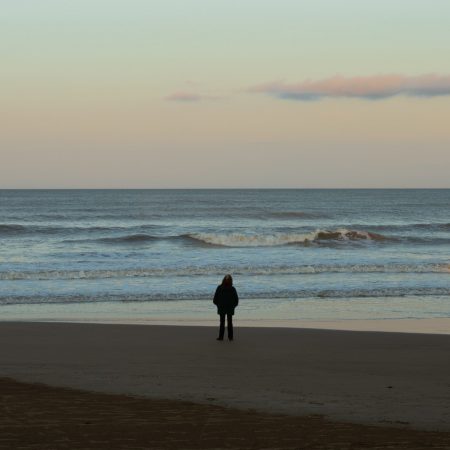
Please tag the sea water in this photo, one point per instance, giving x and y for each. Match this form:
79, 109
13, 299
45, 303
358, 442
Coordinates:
294, 254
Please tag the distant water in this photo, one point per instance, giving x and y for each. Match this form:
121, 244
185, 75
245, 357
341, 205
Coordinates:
293, 253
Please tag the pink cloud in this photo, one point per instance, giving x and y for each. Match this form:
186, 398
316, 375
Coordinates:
368, 87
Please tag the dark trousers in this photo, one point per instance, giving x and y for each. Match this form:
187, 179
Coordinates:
229, 325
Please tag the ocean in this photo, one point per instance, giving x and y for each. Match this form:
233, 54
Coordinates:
137, 255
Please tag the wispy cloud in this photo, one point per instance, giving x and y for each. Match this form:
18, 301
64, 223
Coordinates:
368, 87
190, 97
185, 97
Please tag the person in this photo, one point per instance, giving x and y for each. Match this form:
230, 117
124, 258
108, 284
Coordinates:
226, 299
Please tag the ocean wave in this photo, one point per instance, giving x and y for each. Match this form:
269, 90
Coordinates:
436, 226
293, 215
8, 229
319, 238
206, 296
143, 233
245, 240
220, 270
277, 239
427, 226
127, 239
20, 229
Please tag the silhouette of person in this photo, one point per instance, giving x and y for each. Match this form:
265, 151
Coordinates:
226, 299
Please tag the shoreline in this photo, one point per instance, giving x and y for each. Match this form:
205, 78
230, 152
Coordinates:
350, 376
439, 325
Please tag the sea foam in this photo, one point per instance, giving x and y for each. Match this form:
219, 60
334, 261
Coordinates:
276, 239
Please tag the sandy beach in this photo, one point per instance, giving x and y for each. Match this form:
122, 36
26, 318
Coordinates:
41, 417
370, 378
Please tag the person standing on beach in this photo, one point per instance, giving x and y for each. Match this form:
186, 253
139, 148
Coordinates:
226, 299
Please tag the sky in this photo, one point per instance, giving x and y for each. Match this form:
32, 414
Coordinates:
224, 93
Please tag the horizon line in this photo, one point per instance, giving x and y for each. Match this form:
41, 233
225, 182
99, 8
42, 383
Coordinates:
210, 188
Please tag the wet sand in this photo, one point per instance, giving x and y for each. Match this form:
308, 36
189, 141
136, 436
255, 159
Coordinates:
370, 378
439, 325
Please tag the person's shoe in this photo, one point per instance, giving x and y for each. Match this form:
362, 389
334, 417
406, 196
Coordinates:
219, 339
230, 339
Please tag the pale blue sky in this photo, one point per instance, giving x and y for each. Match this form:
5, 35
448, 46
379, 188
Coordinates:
86, 81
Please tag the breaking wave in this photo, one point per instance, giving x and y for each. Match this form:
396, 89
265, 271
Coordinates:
302, 236
241, 239
276, 239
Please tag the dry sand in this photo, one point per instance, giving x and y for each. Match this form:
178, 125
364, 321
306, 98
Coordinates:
47, 418
359, 377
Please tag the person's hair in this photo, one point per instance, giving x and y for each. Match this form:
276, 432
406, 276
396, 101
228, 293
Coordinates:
227, 280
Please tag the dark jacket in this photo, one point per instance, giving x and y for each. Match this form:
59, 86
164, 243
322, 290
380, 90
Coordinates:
226, 299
